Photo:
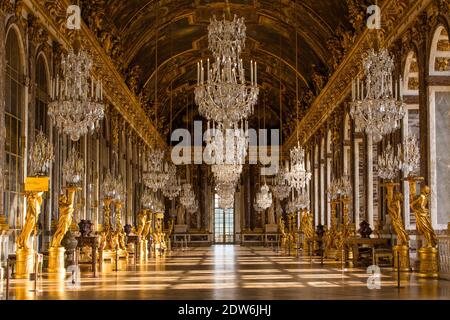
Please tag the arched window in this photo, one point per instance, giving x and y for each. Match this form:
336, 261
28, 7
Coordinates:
40, 116
411, 123
14, 111
439, 153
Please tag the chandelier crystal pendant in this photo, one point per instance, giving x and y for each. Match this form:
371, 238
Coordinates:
76, 106
225, 96
298, 176
388, 164
377, 104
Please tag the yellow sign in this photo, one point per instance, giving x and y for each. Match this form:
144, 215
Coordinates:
36, 184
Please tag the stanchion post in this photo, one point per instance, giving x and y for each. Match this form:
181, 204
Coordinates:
398, 270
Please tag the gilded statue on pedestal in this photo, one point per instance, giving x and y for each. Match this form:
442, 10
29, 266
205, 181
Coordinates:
308, 225
282, 228
66, 209
395, 212
34, 201
423, 220
141, 222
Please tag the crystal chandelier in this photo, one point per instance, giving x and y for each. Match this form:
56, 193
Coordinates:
147, 199
187, 197
344, 187
333, 190
264, 197
156, 176
172, 188
76, 105
225, 96
388, 164
120, 190
41, 155
225, 192
377, 105
109, 186
298, 176
409, 155
73, 168
281, 188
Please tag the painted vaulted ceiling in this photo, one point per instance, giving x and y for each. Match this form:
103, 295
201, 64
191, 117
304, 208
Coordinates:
161, 41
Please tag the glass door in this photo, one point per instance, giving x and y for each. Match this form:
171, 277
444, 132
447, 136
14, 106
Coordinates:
223, 223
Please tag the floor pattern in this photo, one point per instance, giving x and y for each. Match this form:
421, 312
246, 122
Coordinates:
230, 273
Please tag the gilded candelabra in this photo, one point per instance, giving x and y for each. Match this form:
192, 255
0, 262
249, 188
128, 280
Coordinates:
307, 228
159, 236
121, 242
40, 158
333, 237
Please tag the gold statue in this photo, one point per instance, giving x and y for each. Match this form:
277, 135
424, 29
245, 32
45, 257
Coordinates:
148, 225
141, 222
34, 201
66, 209
308, 225
282, 229
423, 219
395, 212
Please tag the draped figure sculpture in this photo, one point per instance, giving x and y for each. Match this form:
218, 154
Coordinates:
34, 201
180, 215
395, 212
271, 215
423, 219
66, 209
141, 221
282, 228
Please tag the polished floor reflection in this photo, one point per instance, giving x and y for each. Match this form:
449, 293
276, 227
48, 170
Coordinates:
230, 272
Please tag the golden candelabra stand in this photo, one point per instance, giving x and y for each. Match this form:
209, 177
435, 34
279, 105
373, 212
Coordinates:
25, 255
307, 228
120, 235
332, 235
56, 251
142, 234
159, 237
107, 242
401, 249
428, 253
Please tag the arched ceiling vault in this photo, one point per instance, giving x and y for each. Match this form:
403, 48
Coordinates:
181, 28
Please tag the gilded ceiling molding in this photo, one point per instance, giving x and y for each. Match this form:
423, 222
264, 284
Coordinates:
53, 16
6, 6
398, 16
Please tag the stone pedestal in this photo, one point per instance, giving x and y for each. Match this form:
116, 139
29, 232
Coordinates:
56, 261
24, 263
271, 228
403, 253
428, 263
181, 228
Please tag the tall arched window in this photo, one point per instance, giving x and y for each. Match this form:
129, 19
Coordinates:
439, 155
14, 110
411, 123
40, 116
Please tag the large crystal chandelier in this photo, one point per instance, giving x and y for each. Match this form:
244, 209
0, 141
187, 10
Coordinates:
388, 164
157, 173
264, 197
147, 199
377, 105
281, 188
225, 96
298, 176
187, 197
172, 187
225, 192
76, 106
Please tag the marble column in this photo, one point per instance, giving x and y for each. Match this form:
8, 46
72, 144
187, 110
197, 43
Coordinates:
2, 107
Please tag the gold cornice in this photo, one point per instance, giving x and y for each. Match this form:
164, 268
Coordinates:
115, 89
339, 85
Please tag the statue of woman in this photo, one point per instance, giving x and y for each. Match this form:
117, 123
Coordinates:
66, 209
180, 215
271, 215
395, 213
423, 219
141, 220
309, 226
34, 201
